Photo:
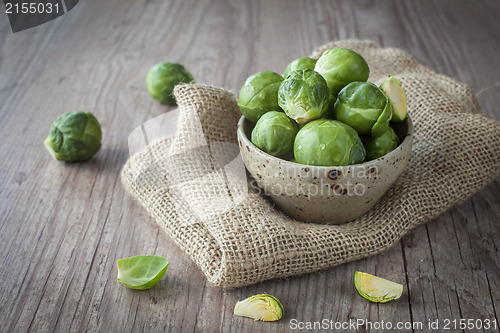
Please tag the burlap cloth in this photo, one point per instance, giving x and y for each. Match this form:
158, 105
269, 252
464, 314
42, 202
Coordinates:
456, 151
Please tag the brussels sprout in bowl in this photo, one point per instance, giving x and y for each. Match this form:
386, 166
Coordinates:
325, 194
259, 95
304, 95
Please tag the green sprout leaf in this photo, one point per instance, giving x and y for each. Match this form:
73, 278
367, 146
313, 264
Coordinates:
141, 272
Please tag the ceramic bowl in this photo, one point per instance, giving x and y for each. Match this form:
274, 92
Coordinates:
325, 194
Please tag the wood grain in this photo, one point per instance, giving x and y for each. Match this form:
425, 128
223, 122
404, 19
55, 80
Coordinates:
63, 226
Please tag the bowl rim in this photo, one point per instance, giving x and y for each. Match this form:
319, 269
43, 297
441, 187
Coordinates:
406, 142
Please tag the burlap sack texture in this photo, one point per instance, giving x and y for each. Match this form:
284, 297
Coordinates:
456, 151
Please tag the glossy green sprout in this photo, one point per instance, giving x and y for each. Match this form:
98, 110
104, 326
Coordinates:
275, 133
141, 272
163, 77
300, 63
363, 106
74, 136
304, 95
263, 307
379, 146
326, 142
259, 95
340, 67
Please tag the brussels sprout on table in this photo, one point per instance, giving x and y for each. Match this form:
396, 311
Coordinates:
74, 137
393, 90
163, 77
275, 133
375, 289
259, 95
326, 142
300, 63
340, 67
263, 307
363, 106
304, 95
379, 146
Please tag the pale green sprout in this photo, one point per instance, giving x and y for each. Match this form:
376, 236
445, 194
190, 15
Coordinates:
325, 142
275, 133
259, 95
376, 289
263, 307
74, 137
163, 77
300, 63
340, 67
141, 272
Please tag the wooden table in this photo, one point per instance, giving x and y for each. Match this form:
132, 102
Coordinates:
63, 226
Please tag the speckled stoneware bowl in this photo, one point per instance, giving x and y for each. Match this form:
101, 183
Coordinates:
325, 194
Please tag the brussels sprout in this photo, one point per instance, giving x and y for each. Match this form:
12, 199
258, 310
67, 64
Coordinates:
304, 95
381, 145
263, 307
163, 77
274, 133
141, 272
375, 289
340, 67
301, 63
74, 137
259, 95
328, 142
363, 106
393, 90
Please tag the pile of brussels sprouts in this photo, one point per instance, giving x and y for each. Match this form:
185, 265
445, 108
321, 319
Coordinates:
323, 112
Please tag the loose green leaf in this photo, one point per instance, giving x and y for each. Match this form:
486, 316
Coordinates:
141, 272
